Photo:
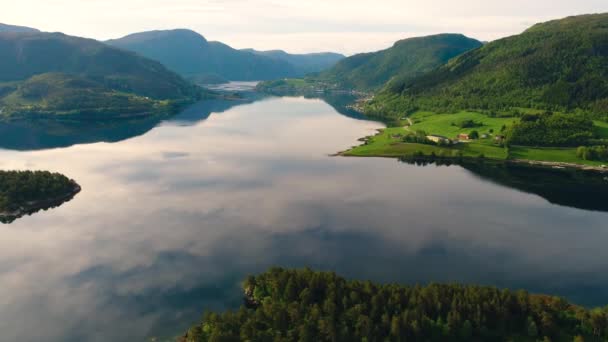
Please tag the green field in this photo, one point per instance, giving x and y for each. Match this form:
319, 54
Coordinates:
442, 124
389, 142
552, 154
296, 82
601, 129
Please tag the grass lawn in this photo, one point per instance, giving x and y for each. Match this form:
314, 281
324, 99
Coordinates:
395, 150
601, 128
442, 123
553, 154
296, 82
381, 144
388, 143
484, 147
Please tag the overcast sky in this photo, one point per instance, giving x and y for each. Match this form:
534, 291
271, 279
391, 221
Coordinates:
346, 26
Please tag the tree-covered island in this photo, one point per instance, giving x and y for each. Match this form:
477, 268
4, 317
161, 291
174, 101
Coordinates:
26, 192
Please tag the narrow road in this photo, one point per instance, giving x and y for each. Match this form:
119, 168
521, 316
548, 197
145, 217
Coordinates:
409, 123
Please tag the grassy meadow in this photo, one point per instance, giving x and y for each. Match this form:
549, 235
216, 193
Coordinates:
446, 124
389, 141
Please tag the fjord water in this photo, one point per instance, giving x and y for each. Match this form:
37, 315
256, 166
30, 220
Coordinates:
173, 214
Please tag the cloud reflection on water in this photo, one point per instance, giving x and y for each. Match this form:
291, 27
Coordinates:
169, 222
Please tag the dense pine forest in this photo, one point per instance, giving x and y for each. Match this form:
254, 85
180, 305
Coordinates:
304, 305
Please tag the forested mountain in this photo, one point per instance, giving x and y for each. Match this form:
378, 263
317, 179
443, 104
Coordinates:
14, 28
302, 305
191, 55
559, 65
56, 73
304, 63
403, 61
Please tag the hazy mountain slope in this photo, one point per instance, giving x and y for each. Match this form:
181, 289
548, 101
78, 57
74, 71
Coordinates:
191, 55
14, 28
304, 63
48, 72
558, 65
405, 59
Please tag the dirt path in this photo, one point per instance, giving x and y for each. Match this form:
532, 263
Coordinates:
409, 124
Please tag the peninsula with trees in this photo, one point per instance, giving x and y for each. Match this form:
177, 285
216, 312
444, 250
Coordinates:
304, 305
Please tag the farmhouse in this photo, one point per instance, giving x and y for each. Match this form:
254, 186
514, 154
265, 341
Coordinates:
463, 136
438, 139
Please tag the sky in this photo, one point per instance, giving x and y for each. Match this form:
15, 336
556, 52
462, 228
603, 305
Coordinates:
346, 26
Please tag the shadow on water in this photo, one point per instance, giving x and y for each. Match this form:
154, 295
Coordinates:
42, 134
578, 189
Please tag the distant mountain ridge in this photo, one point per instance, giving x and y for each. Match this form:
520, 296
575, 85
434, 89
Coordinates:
559, 65
57, 73
14, 28
304, 63
191, 55
406, 59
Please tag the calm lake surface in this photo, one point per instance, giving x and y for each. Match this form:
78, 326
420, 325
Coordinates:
175, 212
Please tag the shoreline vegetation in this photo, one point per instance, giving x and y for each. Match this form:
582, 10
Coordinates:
27, 192
474, 135
160, 109
419, 152
304, 305
492, 127
306, 87
538, 98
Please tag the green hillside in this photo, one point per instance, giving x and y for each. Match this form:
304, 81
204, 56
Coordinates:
302, 305
403, 61
56, 73
560, 65
60, 94
191, 55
